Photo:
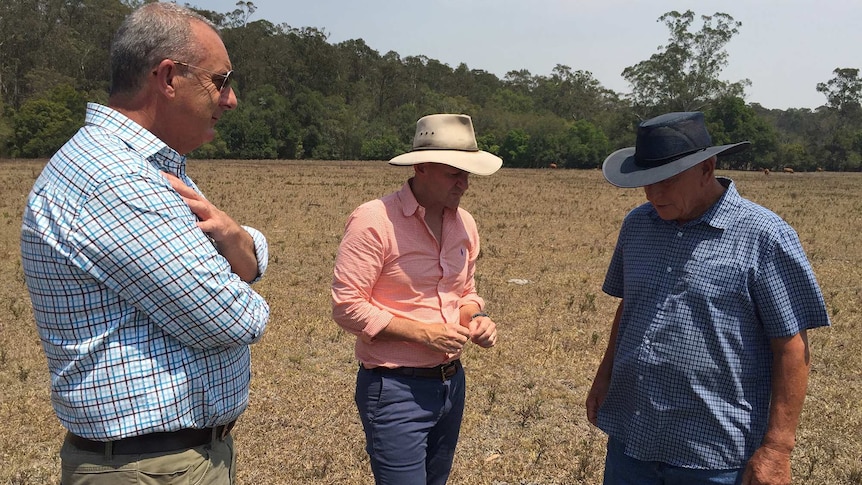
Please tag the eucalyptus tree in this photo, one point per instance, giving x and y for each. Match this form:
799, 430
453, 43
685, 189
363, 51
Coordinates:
360, 72
521, 81
844, 91
571, 94
89, 28
842, 120
45, 43
684, 74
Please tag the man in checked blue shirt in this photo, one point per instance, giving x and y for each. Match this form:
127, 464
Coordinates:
140, 286
706, 368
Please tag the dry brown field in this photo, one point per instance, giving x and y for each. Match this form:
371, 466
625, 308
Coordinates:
525, 421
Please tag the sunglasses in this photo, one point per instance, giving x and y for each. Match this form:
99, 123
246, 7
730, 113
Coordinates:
222, 81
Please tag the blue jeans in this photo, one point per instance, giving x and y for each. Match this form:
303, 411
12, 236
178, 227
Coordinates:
411, 425
621, 469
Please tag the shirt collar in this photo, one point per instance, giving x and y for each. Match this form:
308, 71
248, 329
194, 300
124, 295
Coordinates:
720, 214
137, 138
409, 204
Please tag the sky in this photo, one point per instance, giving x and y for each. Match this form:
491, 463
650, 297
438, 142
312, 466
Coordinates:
784, 47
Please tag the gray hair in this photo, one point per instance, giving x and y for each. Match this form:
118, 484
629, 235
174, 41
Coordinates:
150, 34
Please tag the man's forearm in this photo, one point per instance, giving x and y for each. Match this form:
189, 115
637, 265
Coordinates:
239, 252
790, 367
401, 330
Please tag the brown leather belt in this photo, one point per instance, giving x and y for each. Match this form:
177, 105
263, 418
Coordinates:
442, 371
153, 442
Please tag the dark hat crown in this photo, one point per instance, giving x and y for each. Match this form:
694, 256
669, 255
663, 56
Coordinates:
669, 137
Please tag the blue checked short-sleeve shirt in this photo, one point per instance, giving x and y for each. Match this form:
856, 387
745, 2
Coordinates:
691, 383
144, 325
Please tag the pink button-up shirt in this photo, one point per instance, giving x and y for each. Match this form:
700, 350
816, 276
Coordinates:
390, 265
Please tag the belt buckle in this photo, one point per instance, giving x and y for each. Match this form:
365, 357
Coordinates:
448, 370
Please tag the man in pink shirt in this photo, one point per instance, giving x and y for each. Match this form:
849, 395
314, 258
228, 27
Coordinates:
404, 286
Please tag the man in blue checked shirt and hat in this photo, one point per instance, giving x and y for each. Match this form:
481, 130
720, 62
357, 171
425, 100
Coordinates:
140, 286
706, 368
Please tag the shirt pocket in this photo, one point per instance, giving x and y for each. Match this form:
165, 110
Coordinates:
716, 289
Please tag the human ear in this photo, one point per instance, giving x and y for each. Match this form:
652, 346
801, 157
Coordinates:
708, 166
165, 74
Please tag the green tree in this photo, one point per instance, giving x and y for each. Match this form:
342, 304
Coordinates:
44, 124
571, 95
521, 81
512, 101
382, 147
260, 128
303, 97
684, 74
843, 149
844, 92
488, 142
792, 155
585, 146
515, 149
46, 43
730, 120
6, 131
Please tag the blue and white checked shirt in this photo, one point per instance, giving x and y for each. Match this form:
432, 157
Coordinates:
144, 325
691, 378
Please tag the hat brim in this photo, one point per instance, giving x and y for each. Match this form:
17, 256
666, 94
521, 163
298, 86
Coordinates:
619, 167
478, 162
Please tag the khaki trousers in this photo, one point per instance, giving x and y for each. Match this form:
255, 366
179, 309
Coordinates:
210, 464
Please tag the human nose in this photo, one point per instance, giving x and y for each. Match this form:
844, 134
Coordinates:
651, 191
463, 181
227, 98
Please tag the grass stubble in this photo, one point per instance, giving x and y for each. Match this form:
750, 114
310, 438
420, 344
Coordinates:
525, 421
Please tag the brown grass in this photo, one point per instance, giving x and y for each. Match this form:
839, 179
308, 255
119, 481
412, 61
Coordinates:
525, 419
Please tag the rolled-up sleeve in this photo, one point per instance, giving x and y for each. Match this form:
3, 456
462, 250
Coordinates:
261, 251
470, 295
358, 265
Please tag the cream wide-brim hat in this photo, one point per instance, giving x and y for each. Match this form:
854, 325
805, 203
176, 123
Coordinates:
449, 139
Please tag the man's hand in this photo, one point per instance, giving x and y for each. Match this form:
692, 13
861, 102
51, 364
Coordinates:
597, 394
445, 338
213, 221
602, 382
767, 467
232, 241
483, 331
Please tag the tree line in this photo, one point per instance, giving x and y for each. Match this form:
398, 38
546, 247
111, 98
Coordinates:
302, 97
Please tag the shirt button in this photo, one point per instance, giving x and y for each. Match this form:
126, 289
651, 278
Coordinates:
637, 413
679, 234
669, 269
640, 378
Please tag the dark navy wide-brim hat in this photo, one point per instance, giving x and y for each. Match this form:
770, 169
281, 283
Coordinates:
666, 145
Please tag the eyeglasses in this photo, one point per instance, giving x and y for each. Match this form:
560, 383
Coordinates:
226, 78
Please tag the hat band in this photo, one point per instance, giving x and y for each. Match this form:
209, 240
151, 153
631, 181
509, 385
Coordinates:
419, 149
657, 162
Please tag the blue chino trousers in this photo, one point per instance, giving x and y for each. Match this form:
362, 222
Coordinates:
621, 469
411, 425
